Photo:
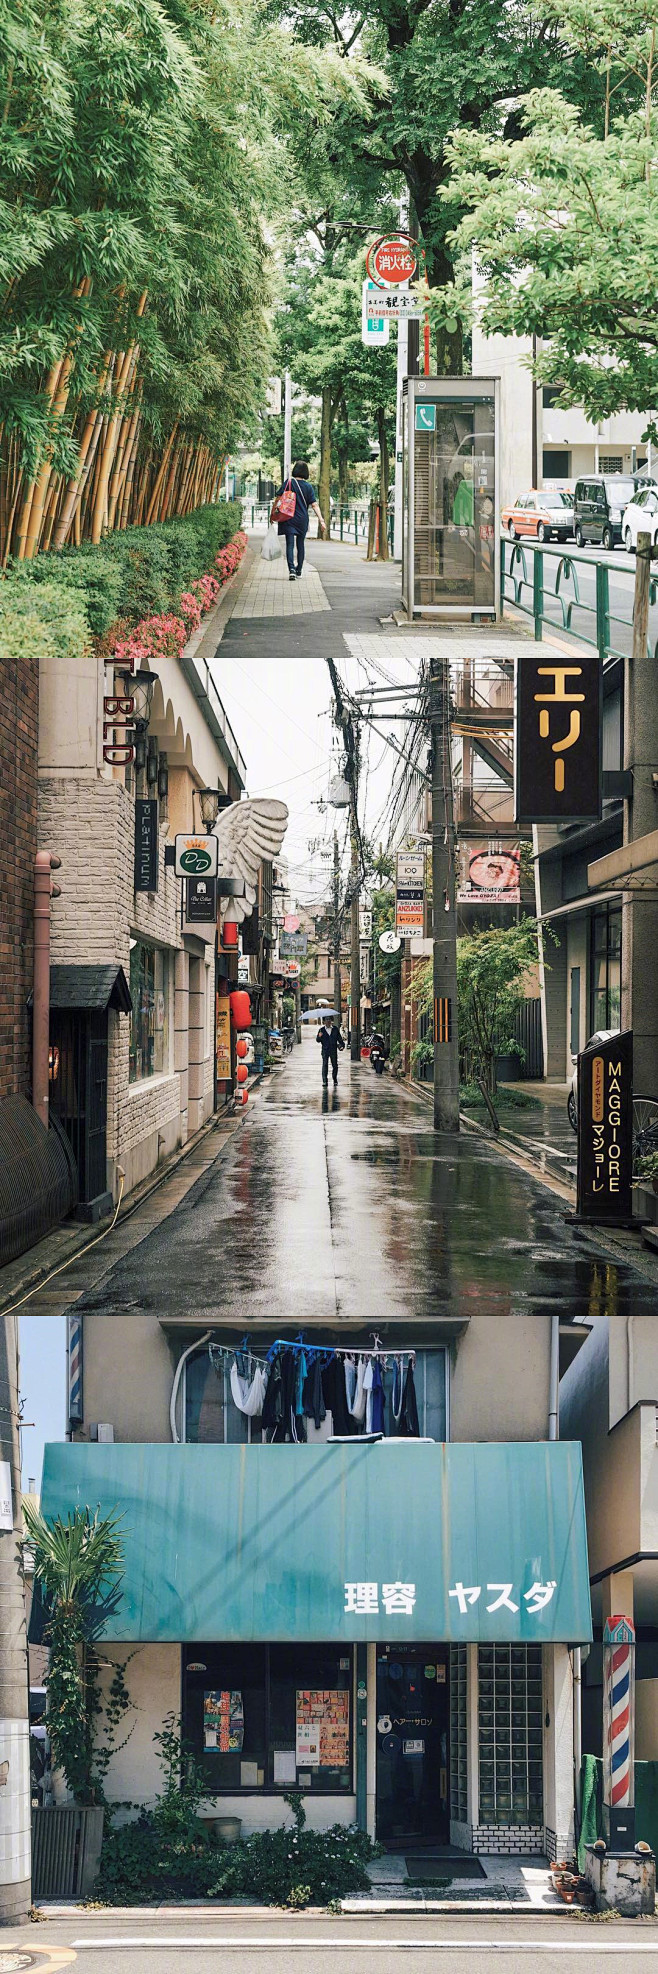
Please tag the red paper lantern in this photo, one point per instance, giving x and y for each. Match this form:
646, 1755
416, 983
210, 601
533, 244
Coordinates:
242, 1072
242, 1046
240, 1009
230, 932
242, 1096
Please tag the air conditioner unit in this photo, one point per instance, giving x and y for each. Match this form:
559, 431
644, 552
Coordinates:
105, 1434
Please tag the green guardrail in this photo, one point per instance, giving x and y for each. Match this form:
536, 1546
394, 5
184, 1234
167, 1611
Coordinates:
545, 584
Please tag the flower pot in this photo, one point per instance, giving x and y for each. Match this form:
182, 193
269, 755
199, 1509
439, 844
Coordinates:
227, 1829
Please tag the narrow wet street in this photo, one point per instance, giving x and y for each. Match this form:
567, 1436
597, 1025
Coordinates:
344, 1206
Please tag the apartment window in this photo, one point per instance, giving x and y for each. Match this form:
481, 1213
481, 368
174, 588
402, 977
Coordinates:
611, 463
149, 1020
556, 465
605, 968
212, 1419
510, 1715
270, 1717
458, 1733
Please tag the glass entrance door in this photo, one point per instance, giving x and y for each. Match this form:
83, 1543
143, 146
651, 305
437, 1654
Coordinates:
412, 1745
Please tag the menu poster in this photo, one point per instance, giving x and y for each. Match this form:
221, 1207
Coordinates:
223, 1722
323, 1722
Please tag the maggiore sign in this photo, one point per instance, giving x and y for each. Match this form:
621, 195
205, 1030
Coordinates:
196, 856
605, 1129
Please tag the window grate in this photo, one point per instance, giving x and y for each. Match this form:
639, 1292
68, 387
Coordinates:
611, 463
458, 1733
510, 1713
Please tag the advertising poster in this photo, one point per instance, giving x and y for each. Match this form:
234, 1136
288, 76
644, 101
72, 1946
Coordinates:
410, 894
489, 875
223, 1721
223, 1039
323, 1724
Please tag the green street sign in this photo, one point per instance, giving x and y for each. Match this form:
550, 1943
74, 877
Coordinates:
425, 417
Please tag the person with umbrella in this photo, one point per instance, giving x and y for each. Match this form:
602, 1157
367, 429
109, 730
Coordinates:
331, 1040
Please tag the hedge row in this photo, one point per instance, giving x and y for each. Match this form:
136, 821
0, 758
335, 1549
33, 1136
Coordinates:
134, 574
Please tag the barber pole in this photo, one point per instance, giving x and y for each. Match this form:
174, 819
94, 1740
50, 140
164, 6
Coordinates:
619, 1732
75, 1369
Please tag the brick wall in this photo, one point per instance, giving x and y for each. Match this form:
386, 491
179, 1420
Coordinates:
503, 1840
19, 706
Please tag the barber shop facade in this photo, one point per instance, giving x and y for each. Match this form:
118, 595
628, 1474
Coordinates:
384, 1623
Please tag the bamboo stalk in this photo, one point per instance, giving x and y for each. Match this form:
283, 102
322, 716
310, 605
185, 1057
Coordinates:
23, 524
160, 475
127, 490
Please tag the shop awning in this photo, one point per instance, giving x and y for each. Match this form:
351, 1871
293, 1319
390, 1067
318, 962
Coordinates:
81, 987
397, 1540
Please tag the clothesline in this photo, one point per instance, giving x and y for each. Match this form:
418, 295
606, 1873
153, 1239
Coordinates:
309, 1349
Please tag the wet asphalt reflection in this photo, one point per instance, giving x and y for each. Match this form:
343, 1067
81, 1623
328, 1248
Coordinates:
345, 1206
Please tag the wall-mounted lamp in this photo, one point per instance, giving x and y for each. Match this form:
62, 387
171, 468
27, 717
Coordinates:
210, 800
152, 762
163, 778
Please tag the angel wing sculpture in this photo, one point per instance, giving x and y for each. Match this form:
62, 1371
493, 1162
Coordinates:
248, 834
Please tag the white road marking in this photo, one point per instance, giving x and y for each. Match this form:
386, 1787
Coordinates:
348, 1944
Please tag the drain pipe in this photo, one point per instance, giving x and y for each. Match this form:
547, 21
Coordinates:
554, 1381
577, 1733
44, 890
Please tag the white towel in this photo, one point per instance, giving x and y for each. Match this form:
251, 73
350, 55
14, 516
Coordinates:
358, 1405
249, 1396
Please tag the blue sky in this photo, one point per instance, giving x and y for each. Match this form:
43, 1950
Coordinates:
43, 1387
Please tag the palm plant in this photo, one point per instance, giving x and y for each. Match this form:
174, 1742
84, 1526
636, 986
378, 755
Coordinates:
78, 1566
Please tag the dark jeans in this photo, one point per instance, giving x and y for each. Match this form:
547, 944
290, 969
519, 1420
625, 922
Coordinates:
297, 535
326, 1060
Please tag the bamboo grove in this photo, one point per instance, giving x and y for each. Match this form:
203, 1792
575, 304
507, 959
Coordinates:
143, 150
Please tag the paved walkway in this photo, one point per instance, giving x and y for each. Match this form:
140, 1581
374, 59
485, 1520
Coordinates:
268, 591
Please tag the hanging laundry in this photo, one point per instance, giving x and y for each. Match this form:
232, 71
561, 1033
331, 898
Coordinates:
302, 1368
273, 1407
349, 1364
248, 1393
367, 1386
376, 1399
396, 1393
409, 1427
358, 1405
313, 1400
333, 1391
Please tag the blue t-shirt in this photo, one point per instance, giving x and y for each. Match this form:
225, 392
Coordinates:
306, 497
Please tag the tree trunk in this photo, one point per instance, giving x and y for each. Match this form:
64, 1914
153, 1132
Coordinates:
324, 489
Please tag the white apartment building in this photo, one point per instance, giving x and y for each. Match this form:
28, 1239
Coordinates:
566, 444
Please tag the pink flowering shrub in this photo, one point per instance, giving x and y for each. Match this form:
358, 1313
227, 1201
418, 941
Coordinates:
164, 637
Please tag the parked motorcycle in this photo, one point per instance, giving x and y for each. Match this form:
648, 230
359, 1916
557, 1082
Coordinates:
378, 1053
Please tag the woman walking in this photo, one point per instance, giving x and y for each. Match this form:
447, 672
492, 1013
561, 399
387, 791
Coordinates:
295, 526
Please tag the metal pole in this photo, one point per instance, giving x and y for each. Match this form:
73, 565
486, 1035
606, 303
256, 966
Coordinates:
355, 957
287, 427
554, 1381
15, 1796
43, 891
337, 978
578, 1733
444, 910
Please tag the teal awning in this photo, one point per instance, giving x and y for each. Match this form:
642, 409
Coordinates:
397, 1540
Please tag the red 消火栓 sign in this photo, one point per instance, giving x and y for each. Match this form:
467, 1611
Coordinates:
390, 262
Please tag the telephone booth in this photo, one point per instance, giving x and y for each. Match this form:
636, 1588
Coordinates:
450, 561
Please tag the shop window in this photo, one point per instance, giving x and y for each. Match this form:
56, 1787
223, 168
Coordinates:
605, 968
270, 1717
458, 1733
149, 1020
510, 1715
212, 1418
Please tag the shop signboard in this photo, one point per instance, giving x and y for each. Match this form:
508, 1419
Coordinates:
364, 964
146, 845
293, 945
489, 875
400, 302
195, 856
558, 730
410, 894
223, 1039
285, 969
365, 924
6, 1503
605, 1130
201, 900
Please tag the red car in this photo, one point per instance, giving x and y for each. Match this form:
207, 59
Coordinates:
545, 516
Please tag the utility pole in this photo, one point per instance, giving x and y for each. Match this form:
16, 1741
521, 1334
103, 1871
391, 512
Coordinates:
639, 939
15, 1791
287, 426
444, 909
336, 929
345, 721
